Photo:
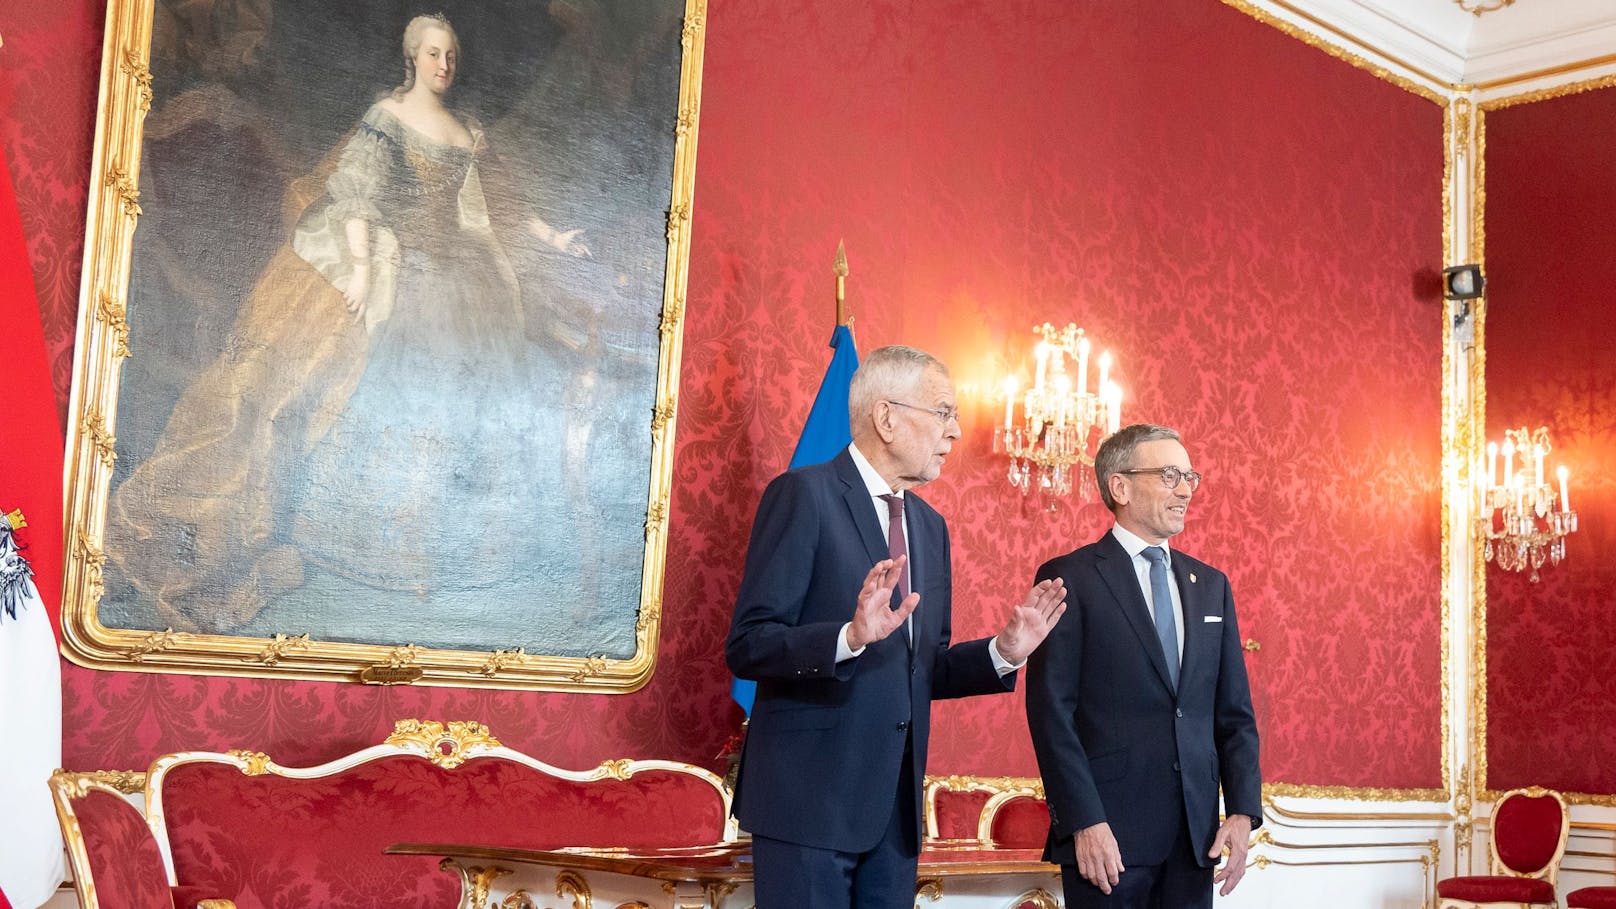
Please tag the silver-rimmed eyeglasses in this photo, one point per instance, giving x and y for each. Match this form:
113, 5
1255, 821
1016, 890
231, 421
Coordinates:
945, 414
1170, 476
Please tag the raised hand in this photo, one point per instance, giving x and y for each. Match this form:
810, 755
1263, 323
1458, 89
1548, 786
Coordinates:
874, 618
1031, 620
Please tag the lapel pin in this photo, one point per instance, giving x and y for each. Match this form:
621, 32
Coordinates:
1192, 577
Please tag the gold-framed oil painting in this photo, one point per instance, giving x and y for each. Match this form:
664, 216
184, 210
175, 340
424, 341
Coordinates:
379, 336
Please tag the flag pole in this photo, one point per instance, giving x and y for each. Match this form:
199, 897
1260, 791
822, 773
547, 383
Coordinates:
840, 268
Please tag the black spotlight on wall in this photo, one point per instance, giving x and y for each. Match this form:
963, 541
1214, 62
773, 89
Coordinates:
1462, 282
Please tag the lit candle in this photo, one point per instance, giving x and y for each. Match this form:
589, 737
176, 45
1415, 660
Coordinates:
1009, 401
1043, 363
1509, 461
1492, 463
1565, 496
1105, 370
1113, 407
1537, 457
1082, 366
1063, 395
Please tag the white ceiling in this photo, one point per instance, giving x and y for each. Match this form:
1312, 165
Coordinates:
1440, 40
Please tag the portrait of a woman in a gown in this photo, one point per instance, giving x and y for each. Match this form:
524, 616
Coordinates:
374, 434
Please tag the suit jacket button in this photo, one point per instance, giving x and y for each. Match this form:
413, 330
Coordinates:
1175, 766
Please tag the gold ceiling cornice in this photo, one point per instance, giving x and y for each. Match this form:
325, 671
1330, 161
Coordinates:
1350, 49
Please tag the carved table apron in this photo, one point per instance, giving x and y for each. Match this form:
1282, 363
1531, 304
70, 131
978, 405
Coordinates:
952, 874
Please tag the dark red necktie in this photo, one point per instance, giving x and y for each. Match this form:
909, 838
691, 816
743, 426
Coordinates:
897, 545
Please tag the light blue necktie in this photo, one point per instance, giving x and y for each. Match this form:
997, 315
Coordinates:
1162, 604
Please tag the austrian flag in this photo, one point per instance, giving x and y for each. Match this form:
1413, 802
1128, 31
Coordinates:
31, 860
31, 717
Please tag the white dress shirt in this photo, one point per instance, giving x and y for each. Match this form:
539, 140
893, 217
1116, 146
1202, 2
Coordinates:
878, 487
1141, 569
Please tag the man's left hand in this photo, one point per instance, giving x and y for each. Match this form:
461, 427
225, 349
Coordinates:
1031, 621
1235, 834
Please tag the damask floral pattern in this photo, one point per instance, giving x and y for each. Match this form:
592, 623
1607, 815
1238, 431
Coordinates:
1551, 698
125, 866
1239, 216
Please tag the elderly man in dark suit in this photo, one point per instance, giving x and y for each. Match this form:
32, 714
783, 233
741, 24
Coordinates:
843, 620
1138, 700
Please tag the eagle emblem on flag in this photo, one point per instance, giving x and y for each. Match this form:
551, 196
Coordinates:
15, 572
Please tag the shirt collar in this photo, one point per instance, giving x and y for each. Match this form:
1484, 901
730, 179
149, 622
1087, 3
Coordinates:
1134, 545
872, 480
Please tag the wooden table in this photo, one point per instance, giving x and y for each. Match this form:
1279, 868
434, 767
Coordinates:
952, 874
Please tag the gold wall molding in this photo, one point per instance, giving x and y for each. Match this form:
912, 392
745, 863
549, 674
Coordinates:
1484, 790
1564, 69
1270, 807
1353, 793
1556, 91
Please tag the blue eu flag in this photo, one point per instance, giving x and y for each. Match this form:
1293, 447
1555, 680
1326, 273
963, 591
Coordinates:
826, 433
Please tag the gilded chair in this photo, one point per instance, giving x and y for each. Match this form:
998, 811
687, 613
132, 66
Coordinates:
962, 809
1529, 839
114, 855
1015, 819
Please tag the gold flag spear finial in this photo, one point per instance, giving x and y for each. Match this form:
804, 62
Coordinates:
841, 282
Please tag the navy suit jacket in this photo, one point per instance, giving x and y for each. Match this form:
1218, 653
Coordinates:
1115, 743
823, 751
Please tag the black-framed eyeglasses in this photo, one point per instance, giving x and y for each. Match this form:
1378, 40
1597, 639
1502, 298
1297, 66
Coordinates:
944, 414
1170, 476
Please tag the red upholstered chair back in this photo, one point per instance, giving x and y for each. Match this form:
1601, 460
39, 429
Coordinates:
1529, 833
1001, 811
115, 859
1015, 820
288, 838
954, 809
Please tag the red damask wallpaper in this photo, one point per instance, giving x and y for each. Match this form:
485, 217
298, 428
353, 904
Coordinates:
1551, 699
1238, 216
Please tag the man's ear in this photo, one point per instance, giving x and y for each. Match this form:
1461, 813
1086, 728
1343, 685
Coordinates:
1119, 488
882, 418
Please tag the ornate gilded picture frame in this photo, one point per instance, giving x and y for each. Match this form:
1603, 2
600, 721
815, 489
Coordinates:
383, 388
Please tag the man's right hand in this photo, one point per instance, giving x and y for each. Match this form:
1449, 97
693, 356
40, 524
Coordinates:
1098, 859
875, 618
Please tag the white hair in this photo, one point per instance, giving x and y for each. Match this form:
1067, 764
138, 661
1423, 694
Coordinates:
886, 374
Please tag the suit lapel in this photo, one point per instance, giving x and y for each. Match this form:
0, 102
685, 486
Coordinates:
923, 544
1195, 611
1116, 568
861, 507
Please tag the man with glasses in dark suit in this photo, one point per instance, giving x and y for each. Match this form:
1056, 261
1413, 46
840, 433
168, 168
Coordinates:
844, 620
1138, 700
